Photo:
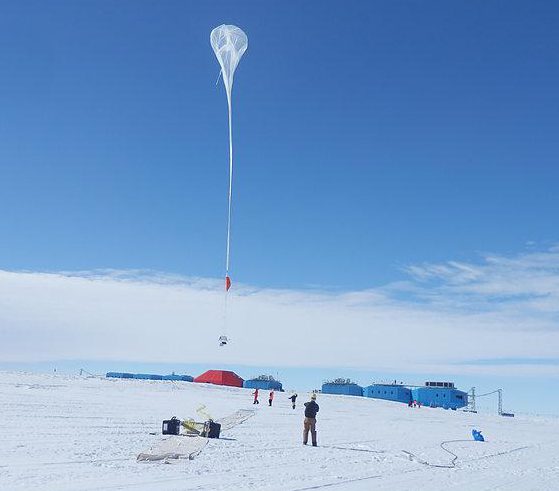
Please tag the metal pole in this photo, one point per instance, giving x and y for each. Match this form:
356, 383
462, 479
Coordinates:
500, 391
474, 399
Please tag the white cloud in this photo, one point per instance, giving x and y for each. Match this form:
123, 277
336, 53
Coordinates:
442, 318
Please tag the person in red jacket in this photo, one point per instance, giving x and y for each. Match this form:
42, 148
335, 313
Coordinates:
271, 399
255, 394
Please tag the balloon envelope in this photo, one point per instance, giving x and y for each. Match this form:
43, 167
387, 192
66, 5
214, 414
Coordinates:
229, 44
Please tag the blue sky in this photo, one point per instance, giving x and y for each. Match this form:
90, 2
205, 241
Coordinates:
367, 137
371, 138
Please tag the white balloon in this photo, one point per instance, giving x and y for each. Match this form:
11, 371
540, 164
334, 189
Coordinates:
229, 44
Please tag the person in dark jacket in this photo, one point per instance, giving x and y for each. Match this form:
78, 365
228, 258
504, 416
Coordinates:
311, 408
293, 398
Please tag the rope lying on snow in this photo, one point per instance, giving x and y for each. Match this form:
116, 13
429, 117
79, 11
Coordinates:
450, 465
353, 449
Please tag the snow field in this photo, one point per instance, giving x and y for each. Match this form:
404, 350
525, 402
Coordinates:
74, 433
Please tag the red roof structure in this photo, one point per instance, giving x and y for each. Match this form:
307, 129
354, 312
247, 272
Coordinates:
220, 377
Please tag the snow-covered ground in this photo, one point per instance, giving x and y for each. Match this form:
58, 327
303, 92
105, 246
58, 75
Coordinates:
74, 433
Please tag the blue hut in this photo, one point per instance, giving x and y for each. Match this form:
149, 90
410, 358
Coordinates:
342, 386
440, 394
181, 378
388, 392
149, 376
263, 382
119, 375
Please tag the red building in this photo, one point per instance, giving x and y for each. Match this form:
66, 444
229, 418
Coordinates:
220, 377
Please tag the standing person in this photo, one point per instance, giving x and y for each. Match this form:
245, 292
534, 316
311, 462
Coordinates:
255, 394
271, 399
311, 408
293, 399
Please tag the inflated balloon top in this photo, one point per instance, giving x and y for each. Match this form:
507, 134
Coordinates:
229, 44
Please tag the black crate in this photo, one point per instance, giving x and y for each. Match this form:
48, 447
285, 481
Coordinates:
211, 429
171, 426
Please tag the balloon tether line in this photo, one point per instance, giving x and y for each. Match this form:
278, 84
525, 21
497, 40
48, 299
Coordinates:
228, 253
230, 189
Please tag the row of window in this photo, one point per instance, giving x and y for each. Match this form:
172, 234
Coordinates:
449, 385
458, 396
378, 392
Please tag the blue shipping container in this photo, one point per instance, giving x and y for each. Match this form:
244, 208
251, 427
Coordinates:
388, 392
262, 384
342, 389
448, 398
